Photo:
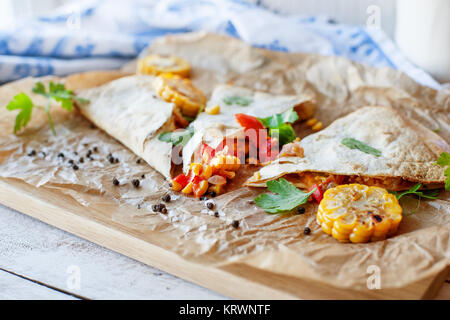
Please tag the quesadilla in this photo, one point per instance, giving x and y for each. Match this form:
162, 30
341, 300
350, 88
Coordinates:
238, 126
230, 100
373, 146
130, 110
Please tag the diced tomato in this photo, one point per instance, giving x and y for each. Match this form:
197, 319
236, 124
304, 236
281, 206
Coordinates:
248, 122
208, 150
318, 193
182, 179
196, 179
268, 150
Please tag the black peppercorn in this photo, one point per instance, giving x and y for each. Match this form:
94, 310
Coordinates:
210, 205
138, 206
32, 153
111, 160
162, 205
60, 155
95, 149
301, 210
75, 153
75, 167
135, 183
116, 182
143, 176
81, 160
70, 161
166, 198
216, 214
155, 208
138, 161
307, 230
235, 224
116, 160
213, 194
164, 210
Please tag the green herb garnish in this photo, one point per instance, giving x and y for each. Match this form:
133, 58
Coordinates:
287, 197
56, 91
444, 160
356, 144
437, 130
427, 194
241, 101
284, 133
177, 138
431, 194
279, 126
279, 119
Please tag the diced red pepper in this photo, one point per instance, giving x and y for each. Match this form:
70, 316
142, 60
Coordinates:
182, 179
318, 193
248, 122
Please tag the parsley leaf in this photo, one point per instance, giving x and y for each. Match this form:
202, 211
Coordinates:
56, 91
356, 144
427, 194
444, 160
279, 119
23, 102
177, 138
241, 101
287, 197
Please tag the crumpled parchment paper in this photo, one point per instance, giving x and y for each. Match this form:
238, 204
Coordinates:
273, 243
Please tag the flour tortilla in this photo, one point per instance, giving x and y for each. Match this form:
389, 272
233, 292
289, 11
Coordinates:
212, 129
408, 151
129, 110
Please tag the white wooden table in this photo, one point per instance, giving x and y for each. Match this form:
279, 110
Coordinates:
38, 261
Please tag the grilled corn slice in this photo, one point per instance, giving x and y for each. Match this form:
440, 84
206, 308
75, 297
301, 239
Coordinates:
359, 213
182, 93
157, 64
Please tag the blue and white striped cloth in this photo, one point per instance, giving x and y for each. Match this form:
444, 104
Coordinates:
106, 34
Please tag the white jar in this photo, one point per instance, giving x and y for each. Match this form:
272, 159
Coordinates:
423, 34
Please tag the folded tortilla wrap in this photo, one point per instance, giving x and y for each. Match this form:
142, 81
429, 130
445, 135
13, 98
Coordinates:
212, 129
129, 110
408, 154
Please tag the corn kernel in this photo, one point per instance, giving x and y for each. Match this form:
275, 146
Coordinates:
318, 126
311, 122
196, 168
188, 188
201, 189
176, 186
213, 110
225, 162
207, 172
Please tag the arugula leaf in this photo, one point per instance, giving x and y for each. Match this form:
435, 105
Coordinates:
23, 102
279, 119
241, 101
177, 138
444, 160
361, 146
285, 133
427, 194
287, 198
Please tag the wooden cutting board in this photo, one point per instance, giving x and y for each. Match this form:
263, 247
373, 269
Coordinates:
96, 225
